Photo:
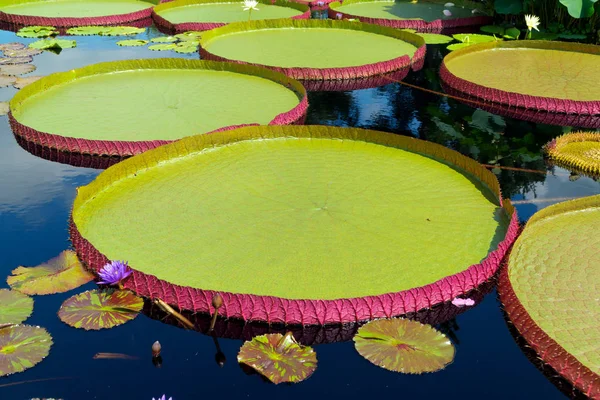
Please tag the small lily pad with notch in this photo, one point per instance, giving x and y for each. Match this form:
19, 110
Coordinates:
15, 307
22, 347
37, 31
132, 42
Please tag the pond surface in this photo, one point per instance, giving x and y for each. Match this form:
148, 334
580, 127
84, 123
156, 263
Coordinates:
35, 200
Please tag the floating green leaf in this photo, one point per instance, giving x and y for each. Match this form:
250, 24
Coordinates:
15, 60
132, 42
122, 31
37, 31
162, 47
164, 39
186, 47
19, 69
105, 30
435, 38
403, 345
512, 33
95, 309
6, 80
279, 358
189, 36
86, 30
53, 44
22, 82
15, 307
457, 46
22, 347
58, 275
26, 52
11, 46
4, 108
473, 38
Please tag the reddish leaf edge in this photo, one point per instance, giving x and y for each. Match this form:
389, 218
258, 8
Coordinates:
547, 349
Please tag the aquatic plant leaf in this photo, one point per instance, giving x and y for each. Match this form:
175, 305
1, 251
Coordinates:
122, 31
22, 347
457, 46
50, 44
7, 80
18, 69
189, 36
512, 33
22, 82
15, 307
186, 48
579, 8
95, 309
577, 151
87, 30
435, 38
164, 39
132, 42
403, 345
162, 47
4, 107
474, 38
279, 358
11, 46
28, 51
60, 274
37, 31
15, 60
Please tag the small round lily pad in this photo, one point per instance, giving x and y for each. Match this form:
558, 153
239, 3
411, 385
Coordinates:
403, 345
7, 80
132, 42
22, 82
162, 47
279, 358
95, 309
49, 44
28, 51
189, 35
22, 347
15, 60
15, 307
37, 31
105, 30
186, 48
164, 39
436, 38
11, 46
19, 69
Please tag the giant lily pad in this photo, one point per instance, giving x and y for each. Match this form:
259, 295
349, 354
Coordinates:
185, 15
403, 345
288, 46
95, 309
279, 358
550, 289
577, 151
15, 307
310, 211
538, 76
64, 13
421, 15
60, 274
22, 347
186, 97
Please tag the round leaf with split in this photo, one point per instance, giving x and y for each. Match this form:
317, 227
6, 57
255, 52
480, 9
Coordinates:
279, 358
22, 347
53, 44
132, 42
15, 307
403, 345
95, 309
60, 274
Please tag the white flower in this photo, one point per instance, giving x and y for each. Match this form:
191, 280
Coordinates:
250, 5
447, 13
448, 5
532, 22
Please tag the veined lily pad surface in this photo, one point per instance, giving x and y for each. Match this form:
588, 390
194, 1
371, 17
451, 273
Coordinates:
402, 345
299, 214
184, 15
22, 347
550, 289
289, 46
73, 12
577, 151
540, 76
103, 108
15, 307
421, 15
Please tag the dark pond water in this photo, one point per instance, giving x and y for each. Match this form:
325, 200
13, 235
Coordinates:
36, 196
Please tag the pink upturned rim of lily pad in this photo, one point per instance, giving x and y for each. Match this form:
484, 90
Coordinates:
515, 101
123, 148
168, 27
273, 309
63, 22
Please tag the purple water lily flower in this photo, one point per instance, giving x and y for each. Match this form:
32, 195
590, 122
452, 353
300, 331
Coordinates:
338, 15
164, 397
114, 272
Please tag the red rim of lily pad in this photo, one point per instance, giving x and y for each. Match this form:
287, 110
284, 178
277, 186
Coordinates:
522, 104
272, 309
122, 148
547, 349
168, 27
307, 75
435, 26
117, 19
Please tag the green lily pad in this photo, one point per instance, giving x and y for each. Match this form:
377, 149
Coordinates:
15, 307
512, 33
279, 358
95, 309
15, 60
132, 42
403, 345
186, 48
22, 82
577, 151
50, 44
435, 38
60, 274
22, 347
11, 46
164, 39
18, 69
189, 36
474, 38
37, 31
123, 31
162, 47
75, 8
86, 30
105, 31
4, 107
457, 46
7, 80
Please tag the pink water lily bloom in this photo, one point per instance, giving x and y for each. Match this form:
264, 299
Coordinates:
458, 302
